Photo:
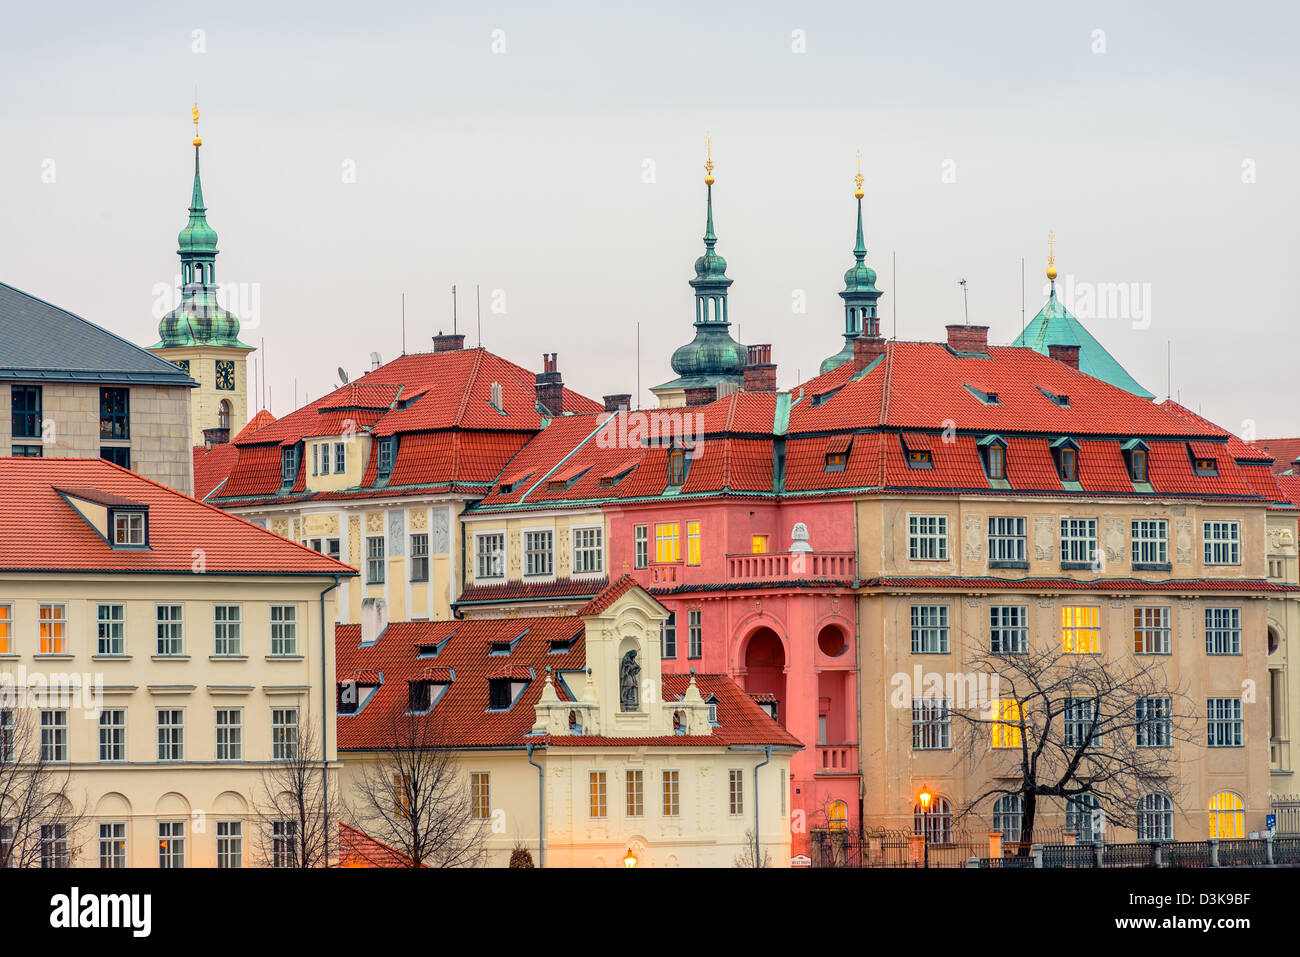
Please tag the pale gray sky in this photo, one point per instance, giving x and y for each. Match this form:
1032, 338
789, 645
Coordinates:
524, 171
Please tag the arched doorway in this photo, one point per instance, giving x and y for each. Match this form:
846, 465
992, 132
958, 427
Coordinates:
765, 668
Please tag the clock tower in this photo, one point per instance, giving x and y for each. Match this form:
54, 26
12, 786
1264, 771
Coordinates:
202, 337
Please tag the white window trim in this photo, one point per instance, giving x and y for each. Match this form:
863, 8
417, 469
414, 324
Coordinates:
505, 558
524, 532
573, 550
945, 537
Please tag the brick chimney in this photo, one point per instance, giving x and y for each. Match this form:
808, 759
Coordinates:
550, 387
866, 349
618, 403
213, 437
760, 371
964, 338
701, 395
453, 342
1063, 353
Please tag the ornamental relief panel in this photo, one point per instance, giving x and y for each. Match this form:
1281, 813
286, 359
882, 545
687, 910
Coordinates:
374, 523
281, 527
354, 541
1044, 538
514, 551
973, 539
1114, 540
440, 533
1183, 541
1280, 539
396, 532
419, 519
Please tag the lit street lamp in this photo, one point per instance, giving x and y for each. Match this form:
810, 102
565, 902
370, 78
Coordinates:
924, 799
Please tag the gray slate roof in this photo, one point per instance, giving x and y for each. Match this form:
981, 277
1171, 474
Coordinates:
40, 342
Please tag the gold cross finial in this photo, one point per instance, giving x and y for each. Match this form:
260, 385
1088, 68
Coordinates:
195, 113
708, 161
1051, 256
857, 180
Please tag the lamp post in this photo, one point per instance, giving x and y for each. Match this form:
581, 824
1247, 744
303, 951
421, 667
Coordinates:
924, 799
629, 860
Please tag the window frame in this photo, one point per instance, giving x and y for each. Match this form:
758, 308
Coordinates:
284, 630
921, 629
587, 548
112, 645
1228, 545
927, 538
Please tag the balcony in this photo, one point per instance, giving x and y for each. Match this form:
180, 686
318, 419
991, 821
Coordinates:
665, 573
777, 566
837, 759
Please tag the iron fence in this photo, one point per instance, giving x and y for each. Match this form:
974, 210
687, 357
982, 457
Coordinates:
1287, 809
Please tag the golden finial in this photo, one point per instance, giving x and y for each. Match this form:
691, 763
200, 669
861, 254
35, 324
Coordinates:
1051, 256
857, 180
198, 141
708, 162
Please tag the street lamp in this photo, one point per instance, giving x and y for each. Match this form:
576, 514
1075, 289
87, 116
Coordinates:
924, 799
629, 861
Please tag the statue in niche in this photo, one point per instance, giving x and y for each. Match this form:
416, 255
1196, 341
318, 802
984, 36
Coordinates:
628, 670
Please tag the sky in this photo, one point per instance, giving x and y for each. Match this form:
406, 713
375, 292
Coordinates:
551, 154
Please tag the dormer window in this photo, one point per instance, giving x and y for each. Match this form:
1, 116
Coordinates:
713, 711
679, 723
288, 465
994, 452
919, 459
130, 528
557, 485
387, 448
676, 467
419, 696
1205, 467
1135, 457
1062, 400
837, 453
1066, 452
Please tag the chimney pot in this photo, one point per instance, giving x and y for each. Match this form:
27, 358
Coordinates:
1063, 353
550, 385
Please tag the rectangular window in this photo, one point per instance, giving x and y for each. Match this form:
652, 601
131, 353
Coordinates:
420, 557
112, 734
929, 629
6, 629
288, 465
230, 734
386, 456
111, 627
997, 461
758, 544
1150, 542
26, 411
315, 460
735, 792
1151, 631
480, 795
1007, 541
230, 844
927, 538
54, 845
597, 806
490, 556
672, 794
1078, 540
931, 724
1081, 630
374, 559
1009, 629
668, 636
170, 620
54, 736
635, 792
114, 414
284, 843
129, 528
1223, 722
54, 629
1222, 543
1077, 718
171, 734
226, 631
117, 454
6, 745
1006, 730
1137, 466
284, 630
340, 456
1155, 727
1069, 465
692, 543
588, 551
694, 634
539, 553
112, 844
1223, 631
668, 547
284, 734
641, 546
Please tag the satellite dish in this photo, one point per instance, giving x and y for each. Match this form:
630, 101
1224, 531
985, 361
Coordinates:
375, 361
343, 376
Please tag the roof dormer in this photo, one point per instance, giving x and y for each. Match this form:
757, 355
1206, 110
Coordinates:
121, 522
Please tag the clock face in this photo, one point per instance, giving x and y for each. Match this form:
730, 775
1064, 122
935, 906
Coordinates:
183, 365
226, 374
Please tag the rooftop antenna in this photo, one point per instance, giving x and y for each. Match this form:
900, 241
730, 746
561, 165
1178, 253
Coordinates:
453, 309
893, 283
1169, 369
1022, 300
266, 388
638, 363
403, 323
964, 305
478, 313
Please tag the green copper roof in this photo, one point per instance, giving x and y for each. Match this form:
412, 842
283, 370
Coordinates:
860, 295
1054, 326
197, 238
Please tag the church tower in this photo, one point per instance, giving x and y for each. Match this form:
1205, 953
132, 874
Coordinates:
199, 335
860, 294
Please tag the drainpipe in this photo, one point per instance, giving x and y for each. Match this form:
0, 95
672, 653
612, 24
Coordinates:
326, 684
541, 809
758, 860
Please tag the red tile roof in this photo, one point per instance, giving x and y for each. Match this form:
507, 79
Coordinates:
963, 583
212, 466
1283, 451
358, 849
259, 421
517, 591
608, 596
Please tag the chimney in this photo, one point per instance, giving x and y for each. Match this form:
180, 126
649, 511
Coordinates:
618, 403
213, 437
449, 343
374, 619
759, 372
866, 349
701, 395
1063, 353
962, 338
550, 387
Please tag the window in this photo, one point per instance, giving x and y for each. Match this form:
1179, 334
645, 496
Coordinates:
1223, 631
596, 794
676, 467
927, 537
1081, 630
997, 461
112, 844
694, 634
288, 465
1078, 541
6, 741
1007, 539
54, 629
54, 736
6, 629
112, 734
929, 629
692, 543
480, 792
386, 456
230, 844
539, 554
226, 634
936, 823
26, 401
420, 557
284, 734
340, 456
315, 460
114, 414
1079, 817
500, 697
6, 845
931, 724
1006, 730
402, 796
836, 461
332, 548
668, 636
223, 414
111, 624
129, 528
1151, 631
1078, 717
1223, 723
1222, 543
1009, 629
640, 546
284, 630
635, 792
588, 551
1227, 816
171, 844
26, 451
54, 845
735, 792
171, 734
1155, 818
919, 459
837, 816
1137, 466
1155, 726
171, 630
672, 794
490, 556
117, 454
758, 544
374, 559
284, 843
1151, 542
668, 547
230, 734
1205, 466
1008, 814
1068, 464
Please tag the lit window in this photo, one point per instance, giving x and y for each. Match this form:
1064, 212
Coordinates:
927, 538
480, 791
837, 816
836, 461
1227, 816
1222, 543
1081, 630
1006, 730
1205, 467
54, 629
668, 546
597, 806
692, 543
758, 544
919, 459
129, 527
6, 629
1151, 631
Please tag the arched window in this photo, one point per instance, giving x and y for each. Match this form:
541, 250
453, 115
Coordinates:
1078, 818
1155, 818
223, 414
837, 816
935, 824
1008, 816
575, 723
1227, 816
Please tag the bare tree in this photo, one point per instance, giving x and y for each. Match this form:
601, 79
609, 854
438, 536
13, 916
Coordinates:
299, 810
751, 856
1067, 726
39, 824
414, 797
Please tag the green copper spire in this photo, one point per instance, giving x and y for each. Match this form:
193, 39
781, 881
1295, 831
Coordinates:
860, 294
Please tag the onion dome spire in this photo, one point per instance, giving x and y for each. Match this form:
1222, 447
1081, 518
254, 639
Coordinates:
860, 294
